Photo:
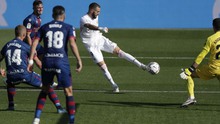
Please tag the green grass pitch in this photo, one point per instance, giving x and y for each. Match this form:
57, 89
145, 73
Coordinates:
144, 98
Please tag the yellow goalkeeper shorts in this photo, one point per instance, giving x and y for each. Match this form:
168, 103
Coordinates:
207, 72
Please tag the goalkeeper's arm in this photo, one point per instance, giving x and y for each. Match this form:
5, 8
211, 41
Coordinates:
198, 60
188, 71
191, 69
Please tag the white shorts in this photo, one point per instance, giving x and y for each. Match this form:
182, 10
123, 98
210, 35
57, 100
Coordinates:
100, 44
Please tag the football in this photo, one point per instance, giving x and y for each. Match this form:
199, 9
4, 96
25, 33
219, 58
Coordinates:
154, 67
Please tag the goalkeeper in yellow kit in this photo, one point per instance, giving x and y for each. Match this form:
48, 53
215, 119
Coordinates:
208, 71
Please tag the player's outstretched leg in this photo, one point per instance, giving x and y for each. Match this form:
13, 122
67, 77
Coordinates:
131, 59
53, 97
108, 76
11, 93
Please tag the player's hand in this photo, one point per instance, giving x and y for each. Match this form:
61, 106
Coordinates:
185, 74
3, 73
188, 71
30, 66
104, 29
79, 66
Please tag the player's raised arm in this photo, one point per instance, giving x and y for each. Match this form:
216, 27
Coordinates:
188, 71
93, 27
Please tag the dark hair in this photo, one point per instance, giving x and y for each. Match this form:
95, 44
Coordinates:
58, 10
94, 5
216, 23
37, 2
19, 30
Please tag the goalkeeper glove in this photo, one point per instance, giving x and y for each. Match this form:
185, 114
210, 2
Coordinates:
187, 72
104, 29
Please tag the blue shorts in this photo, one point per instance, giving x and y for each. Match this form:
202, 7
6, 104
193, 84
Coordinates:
32, 79
59, 69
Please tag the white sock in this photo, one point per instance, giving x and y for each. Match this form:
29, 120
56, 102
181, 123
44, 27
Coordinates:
129, 58
108, 75
192, 97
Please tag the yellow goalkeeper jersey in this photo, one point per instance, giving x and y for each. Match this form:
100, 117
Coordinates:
212, 45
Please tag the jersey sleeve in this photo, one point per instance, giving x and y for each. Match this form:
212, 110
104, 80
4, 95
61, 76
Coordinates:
72, 33
28, 24
204, 52
83, 21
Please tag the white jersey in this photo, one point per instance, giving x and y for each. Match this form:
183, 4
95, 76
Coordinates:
93, 39
86, 34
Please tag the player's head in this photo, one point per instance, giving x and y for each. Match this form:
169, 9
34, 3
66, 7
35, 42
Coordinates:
216, 24
38, 7
20, 32
58, 13
94, 10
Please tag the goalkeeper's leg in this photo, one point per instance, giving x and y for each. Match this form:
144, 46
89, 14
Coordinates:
191, 99
190, 86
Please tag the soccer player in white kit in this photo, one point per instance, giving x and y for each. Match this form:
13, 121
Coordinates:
95, 42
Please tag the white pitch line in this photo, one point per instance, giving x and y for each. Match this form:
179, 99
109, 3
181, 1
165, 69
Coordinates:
121, 91
146, 57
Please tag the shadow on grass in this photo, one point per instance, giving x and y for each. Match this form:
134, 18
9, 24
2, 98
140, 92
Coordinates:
64, 119
134, 104
199, 107
5, 110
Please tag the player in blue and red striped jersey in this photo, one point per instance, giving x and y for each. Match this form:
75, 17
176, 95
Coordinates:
32, 23
16, 54
55, 35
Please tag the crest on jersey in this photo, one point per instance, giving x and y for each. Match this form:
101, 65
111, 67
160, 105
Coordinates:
74, 32
28, 26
